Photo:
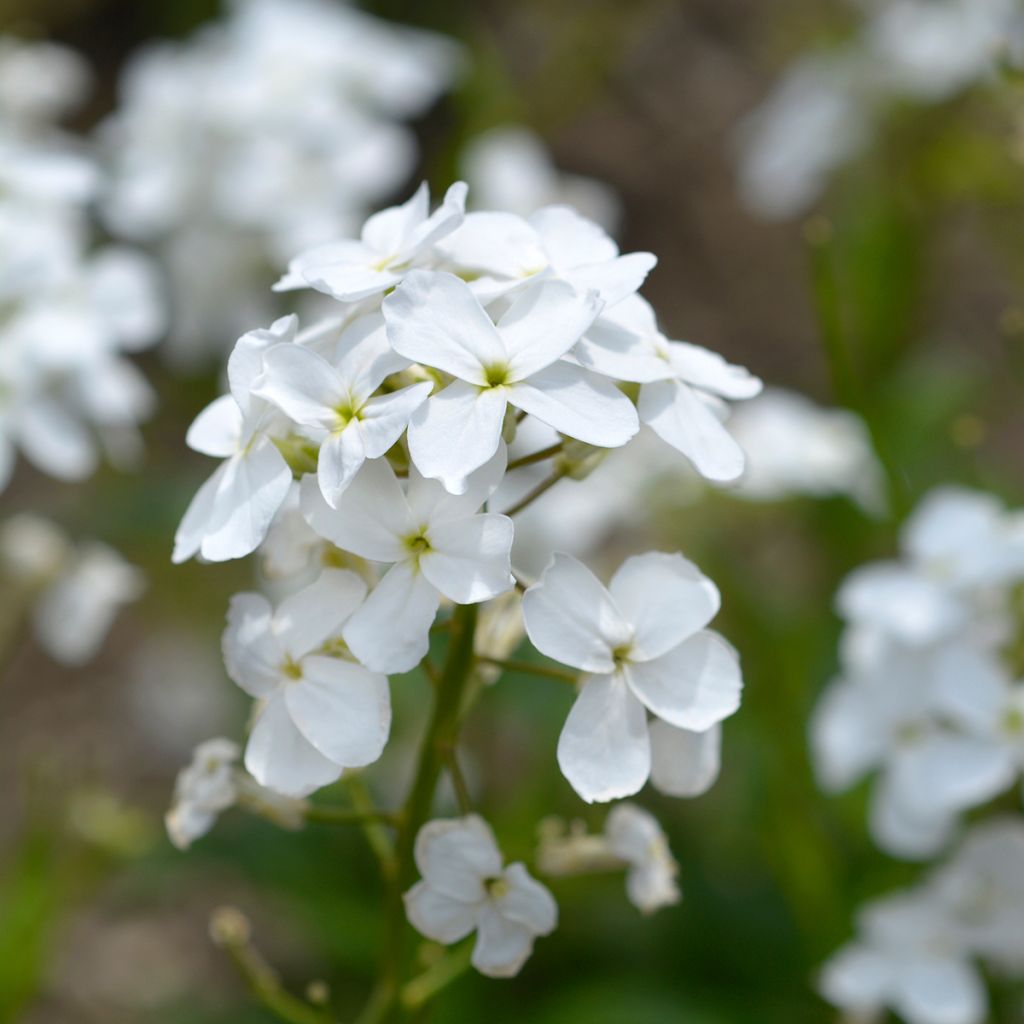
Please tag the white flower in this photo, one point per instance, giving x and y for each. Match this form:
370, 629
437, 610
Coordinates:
321, 712
682, 385
909, 956
75, 612
335, 399
794, 447
436, 544
231, 513
643, 647
434, 319
465, 888
959, 545
391, 243
635, 836
204, 788
887, 715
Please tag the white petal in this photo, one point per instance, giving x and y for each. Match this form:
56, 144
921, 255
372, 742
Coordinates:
665, 598
544, 321
363, 356
684, 763
455, 856
252, 489
709, 371
849, 734
604, 749
437, 916
217, 429
571, 240
941, 991
391, 631
904, 832
343, 709
198, 519
245, 363
945, 773
384, 418
279, 757
386, 230
444, 220
306, 619
252, 655
494, 243
350, 282
502, 946
569, 616
858, 978
431, 503
678, 415
615, 280
579, 403
455, 432
527, 902
341, 456
433, 318
55, 441
302, 384
372, 515
616, 351
693, 686
973, 688
470, 559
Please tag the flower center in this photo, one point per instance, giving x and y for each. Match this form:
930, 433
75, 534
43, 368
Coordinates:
496, 887
496, 375
620, 654
291, 669
418, 545
1013, 721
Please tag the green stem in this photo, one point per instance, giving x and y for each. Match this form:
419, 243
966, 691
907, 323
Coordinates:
440, 737
531, 668
424, 987
374, 828
847, 384
528, 460
542, 488
230, 930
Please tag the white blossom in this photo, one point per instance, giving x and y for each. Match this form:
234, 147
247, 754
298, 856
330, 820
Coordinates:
465, 888
436, 544
644, 648
202, 791
635, 836
320, 711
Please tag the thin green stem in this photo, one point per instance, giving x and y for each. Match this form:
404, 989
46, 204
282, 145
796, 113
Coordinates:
230, 930
545, 453
462, 796
542, 488
348, 816
531, 668
376, 830
424, 987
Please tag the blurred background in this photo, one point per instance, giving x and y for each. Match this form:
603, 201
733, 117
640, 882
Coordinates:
893, 292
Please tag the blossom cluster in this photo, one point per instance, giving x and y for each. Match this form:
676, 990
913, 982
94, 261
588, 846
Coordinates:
367, 457
69, 312
919, 952
271, 130
926, 697
827, 106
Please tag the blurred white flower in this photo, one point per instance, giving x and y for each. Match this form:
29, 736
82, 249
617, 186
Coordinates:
203, 790
794, 447
266, 133
466, 888
635, 836
508, 168
643, 647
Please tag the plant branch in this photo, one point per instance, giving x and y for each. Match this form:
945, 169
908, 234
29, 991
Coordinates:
542, 488
528, 460
425, 986
230, 930
530, 668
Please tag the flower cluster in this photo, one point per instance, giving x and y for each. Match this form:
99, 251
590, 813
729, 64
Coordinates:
367, 457
827, 106
68, 313
918, 952
267, 132
70, 592
925, 696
